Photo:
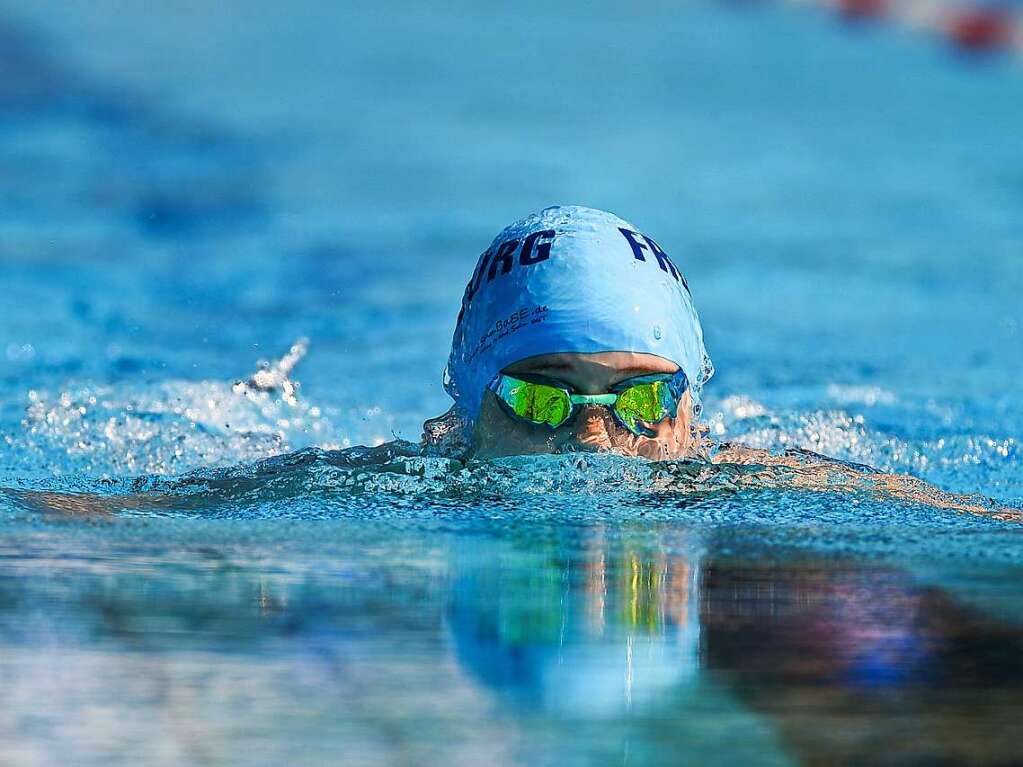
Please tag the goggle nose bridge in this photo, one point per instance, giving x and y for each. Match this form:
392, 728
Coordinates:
593, 399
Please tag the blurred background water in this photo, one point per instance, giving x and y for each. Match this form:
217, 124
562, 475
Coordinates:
190, 188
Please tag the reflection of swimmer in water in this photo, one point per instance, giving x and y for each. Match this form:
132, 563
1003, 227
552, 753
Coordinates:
576, 333
613, 628
850, 662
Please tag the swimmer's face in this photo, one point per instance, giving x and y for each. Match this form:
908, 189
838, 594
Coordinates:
592, 428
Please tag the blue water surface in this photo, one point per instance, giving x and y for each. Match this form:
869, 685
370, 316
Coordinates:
190, 188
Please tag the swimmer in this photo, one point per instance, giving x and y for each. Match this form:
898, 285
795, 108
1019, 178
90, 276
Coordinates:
577, 334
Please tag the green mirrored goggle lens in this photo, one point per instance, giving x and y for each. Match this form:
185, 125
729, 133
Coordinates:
535, 402
647, 402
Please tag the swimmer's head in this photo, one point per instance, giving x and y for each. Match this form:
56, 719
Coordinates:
577, 297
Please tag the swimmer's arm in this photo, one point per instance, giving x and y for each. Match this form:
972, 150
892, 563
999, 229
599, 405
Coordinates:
281, 476
804, 469
78, 505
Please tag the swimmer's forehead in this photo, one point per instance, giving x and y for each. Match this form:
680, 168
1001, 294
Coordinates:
614, 366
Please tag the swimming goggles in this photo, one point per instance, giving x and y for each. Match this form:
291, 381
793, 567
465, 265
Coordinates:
637, 401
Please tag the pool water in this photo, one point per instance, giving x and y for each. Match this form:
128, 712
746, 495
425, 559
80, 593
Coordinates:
189, 572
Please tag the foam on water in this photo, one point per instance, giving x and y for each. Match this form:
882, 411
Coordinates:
958, 460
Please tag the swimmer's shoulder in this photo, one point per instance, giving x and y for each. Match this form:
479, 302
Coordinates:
730, 452
734, 453
362, 455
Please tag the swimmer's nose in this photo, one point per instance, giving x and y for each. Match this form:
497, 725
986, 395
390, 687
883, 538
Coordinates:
591, 430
